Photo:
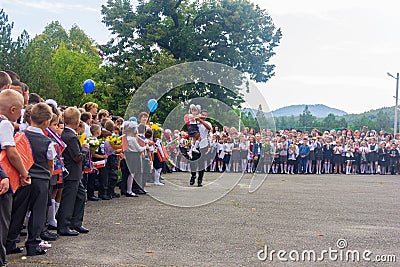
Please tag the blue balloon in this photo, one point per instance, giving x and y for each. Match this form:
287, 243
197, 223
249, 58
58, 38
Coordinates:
152, 105
88, 86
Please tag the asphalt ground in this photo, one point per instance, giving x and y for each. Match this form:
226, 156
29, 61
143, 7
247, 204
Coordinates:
294, 213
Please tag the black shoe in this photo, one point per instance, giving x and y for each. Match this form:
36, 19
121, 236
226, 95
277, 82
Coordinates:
68, 232
81, 229
34, 251
131, 195
115, 195
105, 197
140, 192
48, 236
192, 180
15, 250
93, 198
199, 185
51, 227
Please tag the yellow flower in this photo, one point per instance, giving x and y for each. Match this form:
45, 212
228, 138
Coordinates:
115, 142
155, 127
82, 138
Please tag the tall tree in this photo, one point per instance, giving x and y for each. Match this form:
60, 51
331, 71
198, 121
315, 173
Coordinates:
382, 121
236, 33
11, 52
362, 121
6, 43
306, 119
59, 61
70, 70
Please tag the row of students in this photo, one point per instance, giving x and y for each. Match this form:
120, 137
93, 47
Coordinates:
280, 154
39, 161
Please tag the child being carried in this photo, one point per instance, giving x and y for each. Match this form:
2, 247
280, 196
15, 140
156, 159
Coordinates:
191, 120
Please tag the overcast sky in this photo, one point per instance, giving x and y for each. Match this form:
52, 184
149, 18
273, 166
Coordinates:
335, 53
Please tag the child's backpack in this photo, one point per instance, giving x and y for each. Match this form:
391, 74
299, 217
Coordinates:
24, 150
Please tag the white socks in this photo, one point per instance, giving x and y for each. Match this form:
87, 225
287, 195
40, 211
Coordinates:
51, 213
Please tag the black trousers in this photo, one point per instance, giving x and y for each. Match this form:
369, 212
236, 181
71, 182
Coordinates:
20, 207
91, 181
33, 197
124, 178
197, 164
38, 206
112, 179
103, 181
72, 205
5, 218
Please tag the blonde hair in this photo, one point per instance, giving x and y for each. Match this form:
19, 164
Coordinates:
71, 116
89, 105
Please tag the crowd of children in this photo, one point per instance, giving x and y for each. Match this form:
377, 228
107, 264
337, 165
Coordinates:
291, 151
53, 159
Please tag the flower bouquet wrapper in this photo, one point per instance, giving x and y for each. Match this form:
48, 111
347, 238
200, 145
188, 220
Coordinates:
115, 142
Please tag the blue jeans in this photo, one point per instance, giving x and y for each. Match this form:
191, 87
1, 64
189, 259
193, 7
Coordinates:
303, 165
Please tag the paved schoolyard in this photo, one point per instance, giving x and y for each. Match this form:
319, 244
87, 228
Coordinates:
288, 212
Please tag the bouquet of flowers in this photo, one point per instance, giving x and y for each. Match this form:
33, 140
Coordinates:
115, 142
93, 143
82, 138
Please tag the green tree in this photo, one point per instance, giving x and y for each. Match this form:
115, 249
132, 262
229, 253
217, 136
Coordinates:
235, 33
6, 43
11, 52
362, 121
37, 70
19, 52
70, 70
59, 61
382, 121
306, 119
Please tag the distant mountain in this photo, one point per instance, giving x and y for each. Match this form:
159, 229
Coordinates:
319, 111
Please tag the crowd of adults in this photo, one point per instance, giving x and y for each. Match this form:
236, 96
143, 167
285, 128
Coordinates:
73, 158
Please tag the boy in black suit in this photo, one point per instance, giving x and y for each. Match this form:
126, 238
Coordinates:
70, 213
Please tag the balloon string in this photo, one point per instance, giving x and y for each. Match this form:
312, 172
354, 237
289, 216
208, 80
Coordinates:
83, 97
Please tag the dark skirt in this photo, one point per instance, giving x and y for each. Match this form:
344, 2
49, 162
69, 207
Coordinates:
328, 155
319, 154
157, 164
337, 159
283, 158
373, 156
227, 158
193, 129
312, 155
235, 155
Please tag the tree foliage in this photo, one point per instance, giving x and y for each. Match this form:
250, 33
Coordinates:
11, 52
236, 33
57, 62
